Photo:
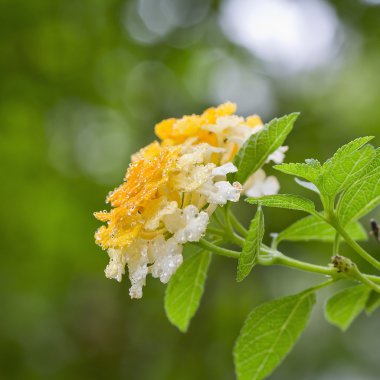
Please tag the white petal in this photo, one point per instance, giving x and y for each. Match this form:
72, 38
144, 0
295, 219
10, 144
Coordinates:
258, 176
116, 267
166, 208
229, 121
193, 177
271, 186
137, 259
173, 222
167, 257
196, 154
194, 225
258, 185
221, 192
278, 156
223, 170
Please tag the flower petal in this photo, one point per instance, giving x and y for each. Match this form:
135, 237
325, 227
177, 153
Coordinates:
223, 170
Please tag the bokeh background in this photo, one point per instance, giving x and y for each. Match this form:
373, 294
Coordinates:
82, 84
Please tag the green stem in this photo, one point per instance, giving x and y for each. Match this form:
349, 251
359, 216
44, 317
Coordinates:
237, 240
274, 257
216, 216
328, 204
215, 230
229, 231
216, 249
232, 237
354, 245
375, 279
271, 257
238, 226
227, 218
277, 258
322, 285
336, 244
365, 280
274, 243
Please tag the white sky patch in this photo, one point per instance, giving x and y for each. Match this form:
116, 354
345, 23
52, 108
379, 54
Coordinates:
290, 35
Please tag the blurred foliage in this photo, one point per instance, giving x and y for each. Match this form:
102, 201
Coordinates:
82, 84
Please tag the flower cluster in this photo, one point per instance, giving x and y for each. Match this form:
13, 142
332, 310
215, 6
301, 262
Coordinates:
172, 188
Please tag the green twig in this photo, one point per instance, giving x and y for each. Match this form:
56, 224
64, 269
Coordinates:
365, 280
322, 285
336, 244
216, 216
216, 249
277, 258
271, 257
238, 226
215, 230
353, 244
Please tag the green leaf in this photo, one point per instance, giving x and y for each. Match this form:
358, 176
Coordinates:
375, 163
185, 289
363, 196
255, 151
373, 302
343, 307
288, 201
347, 164
313, 228
269, 333
251, 247
309, 170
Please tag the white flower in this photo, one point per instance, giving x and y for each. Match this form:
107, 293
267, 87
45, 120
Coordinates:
223, 170
171, 190
221, 192
188, 224
278, 156
137, 260
116, 267
136, 256
193, 178
166, 256
258, 184
231, 129
196, 154
198, 186
166, 208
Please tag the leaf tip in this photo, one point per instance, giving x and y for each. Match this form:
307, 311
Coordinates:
294, 116
182, 327
240, 276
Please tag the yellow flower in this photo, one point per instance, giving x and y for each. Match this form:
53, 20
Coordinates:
166, 199
218, 127
132, 201
170, 191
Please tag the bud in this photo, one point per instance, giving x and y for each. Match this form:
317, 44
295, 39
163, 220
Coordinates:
342, 264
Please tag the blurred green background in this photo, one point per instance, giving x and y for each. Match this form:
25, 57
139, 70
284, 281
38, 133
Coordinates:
82, 83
